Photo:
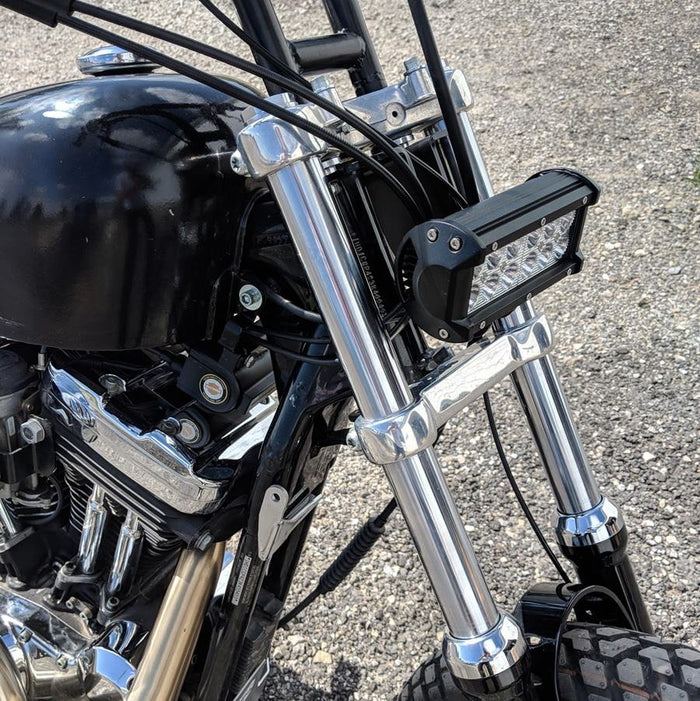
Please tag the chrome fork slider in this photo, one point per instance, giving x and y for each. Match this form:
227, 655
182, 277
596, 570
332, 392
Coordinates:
477, 631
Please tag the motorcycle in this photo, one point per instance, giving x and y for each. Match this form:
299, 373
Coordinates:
204, 292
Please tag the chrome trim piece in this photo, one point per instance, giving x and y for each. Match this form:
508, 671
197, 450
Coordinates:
93, 528
448, 389
488, 655
153, 459
107, 59
273, 526
409, 105
126, 556
296, 177
597, 525
55, 654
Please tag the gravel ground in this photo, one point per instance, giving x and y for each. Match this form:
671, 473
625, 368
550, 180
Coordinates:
610, 88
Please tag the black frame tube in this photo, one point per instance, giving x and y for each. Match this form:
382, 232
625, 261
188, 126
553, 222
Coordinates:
346, 15
327, 53
260, 20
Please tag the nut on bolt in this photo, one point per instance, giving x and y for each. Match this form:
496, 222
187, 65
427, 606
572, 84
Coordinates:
33, 430
250, 297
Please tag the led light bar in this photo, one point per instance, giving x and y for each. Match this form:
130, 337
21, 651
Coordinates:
461, 273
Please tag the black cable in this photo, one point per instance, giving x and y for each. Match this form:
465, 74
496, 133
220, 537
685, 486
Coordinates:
292, 308
518, 494
255, 46
463, 174
387, 146
345, 563
312, 359
456, 194
259, 331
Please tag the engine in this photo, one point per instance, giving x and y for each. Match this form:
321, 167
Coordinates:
110, 464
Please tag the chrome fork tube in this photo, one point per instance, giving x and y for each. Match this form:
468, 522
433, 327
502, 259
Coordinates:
481, 642
380, 388
590, 529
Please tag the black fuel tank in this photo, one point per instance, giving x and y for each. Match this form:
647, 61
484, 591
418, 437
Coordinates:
118, 211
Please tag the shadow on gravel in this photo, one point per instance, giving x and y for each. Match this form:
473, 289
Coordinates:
285, 685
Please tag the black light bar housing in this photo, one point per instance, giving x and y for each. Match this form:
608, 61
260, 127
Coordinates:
436, 259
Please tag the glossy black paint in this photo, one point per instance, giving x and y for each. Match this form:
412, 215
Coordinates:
118, 211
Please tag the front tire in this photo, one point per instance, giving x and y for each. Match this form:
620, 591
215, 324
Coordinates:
596, 663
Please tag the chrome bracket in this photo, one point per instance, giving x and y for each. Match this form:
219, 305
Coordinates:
449, 389
274, 527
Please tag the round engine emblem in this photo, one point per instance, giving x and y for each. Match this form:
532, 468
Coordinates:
213, 389
189, 431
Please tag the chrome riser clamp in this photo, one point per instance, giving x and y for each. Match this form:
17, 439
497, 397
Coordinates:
482, 643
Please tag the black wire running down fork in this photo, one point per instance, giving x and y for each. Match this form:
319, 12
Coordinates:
346, 562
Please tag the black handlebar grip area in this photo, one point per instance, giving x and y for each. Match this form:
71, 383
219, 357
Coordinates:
46, 11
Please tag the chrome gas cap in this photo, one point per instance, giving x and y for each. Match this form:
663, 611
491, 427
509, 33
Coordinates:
112, 59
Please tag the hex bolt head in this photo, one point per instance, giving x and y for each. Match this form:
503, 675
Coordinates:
455, 243
62, 662
250, 297
33, 430
432, 234
494, 247
482, 325
585, 200
25, 635
543, 221
443, 333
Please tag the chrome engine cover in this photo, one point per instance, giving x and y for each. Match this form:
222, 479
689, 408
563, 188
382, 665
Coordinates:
56, 654
153, 459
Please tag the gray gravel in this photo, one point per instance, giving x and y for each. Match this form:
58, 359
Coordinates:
610, 88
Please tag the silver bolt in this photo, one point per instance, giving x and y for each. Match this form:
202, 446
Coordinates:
432, 233
170, 426
569, 272
534, 640
33, 430
113, 384
482, 325
443, 333
494, 247
25, 635
237, 164
529, 295
455, 243
543, 221
585, 200
62, 662
250, 297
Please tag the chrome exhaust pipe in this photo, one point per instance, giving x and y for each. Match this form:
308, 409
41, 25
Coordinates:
170, 646
11, 687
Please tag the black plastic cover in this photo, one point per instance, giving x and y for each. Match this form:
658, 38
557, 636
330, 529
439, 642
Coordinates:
436, 276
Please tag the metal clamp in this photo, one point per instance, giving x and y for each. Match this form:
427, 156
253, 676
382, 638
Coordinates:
273, 526
447, 390
597, 525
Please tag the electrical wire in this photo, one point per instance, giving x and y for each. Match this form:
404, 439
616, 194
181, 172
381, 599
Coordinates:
292, 308
255, 46
518, 494
260, 331
379, 140
246, 96
311, 359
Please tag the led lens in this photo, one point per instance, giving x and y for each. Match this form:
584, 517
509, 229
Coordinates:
520, 260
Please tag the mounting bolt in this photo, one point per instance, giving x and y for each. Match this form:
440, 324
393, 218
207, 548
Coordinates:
250, 297
113, 384
585, 200
432, 233
33, 430
443, 333
25, 635
237, 164
543, 221
170, 426
569, 272
455, 243
62, 662
494, 247
482, 325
